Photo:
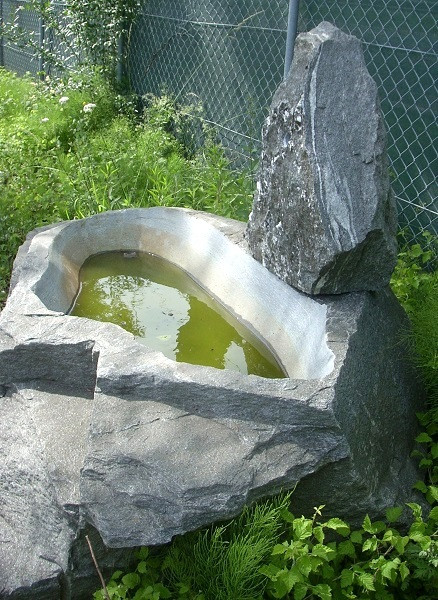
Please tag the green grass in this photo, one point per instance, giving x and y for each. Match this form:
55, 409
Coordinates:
415, 283
59, 162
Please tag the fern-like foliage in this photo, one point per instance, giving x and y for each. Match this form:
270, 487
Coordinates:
224, 561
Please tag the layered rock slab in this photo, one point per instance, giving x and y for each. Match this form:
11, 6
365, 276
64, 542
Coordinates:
324, 217
167, 447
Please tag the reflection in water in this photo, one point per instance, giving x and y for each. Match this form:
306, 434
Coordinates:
162, 306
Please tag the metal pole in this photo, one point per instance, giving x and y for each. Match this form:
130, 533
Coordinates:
292, 25
41, 46
120, 58
2, 56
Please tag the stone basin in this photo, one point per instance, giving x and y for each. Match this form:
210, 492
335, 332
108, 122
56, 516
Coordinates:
101, 434
292, 325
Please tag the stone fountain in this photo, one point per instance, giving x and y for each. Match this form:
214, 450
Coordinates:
100, 435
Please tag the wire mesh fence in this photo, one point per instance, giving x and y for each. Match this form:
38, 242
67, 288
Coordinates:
228, 55
400, 40
20, 60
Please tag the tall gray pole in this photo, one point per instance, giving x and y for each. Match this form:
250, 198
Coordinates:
292, 25
41, 45
120, 58
2, 58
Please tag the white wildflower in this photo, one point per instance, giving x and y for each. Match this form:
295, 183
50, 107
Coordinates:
63, 100
44, 120
89, 107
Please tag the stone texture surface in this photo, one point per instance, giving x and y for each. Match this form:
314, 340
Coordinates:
134, 448
324, 217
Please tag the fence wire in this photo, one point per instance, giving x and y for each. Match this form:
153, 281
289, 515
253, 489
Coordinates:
20, 60
228, 55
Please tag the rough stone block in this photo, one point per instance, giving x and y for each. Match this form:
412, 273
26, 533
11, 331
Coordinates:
324, 217
158, 448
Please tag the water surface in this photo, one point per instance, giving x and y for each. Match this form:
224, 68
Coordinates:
168, 311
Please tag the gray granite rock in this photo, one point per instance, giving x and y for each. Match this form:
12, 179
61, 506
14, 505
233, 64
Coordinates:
134, 448
324, 217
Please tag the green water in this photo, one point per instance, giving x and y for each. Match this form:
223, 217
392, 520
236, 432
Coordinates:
166, 310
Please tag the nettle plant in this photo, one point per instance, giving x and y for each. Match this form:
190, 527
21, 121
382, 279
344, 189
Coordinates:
76, 32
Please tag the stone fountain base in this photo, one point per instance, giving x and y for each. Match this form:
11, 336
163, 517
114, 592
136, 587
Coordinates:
97, 433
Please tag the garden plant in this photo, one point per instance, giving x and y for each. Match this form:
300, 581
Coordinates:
74, 147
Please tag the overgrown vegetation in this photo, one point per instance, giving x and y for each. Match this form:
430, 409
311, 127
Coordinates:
72, 148
76, 33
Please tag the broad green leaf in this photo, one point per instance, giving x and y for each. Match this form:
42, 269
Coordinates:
338, 525
162, 591
389, 567
323, 552
271, 571
378, 526
416, 509
291, 578
393, 514
300, 591
415, 250
287, 516
328, 573
425, 462
388, 536
404, 571
423, 438
279, 549
347, 577
116, 575
425, 542
433, 515
421, 486
318, 532
434, 450
143, 553
142, 567
346, 548
277, 589
400, 543
433, 491
131, 580
417, 454
370, 544
366, 525
322, 590
367, 581
304, 564
356, 537
417, 529
302, 528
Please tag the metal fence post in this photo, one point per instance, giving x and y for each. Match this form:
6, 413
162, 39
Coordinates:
2, 56
41, 47
120, 58
292, 25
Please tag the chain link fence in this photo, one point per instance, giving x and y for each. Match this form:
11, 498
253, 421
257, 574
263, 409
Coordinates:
20, 60
400, 41
228, 55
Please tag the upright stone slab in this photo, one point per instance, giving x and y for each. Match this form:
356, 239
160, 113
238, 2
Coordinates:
324, 217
